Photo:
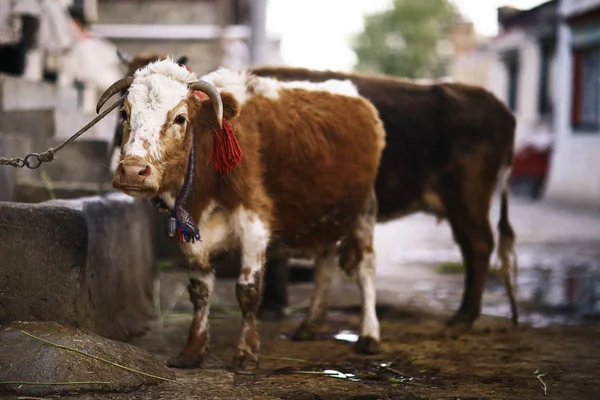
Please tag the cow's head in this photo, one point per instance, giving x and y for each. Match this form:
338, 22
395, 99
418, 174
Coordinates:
161, 115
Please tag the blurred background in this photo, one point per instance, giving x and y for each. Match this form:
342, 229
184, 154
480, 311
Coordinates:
542, 58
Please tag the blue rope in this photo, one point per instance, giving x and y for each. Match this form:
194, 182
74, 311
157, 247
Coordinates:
187, 231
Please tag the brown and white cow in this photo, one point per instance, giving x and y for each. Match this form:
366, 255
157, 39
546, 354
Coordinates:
304, 183
447, 144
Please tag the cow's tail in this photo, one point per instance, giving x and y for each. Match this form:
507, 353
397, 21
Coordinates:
506, 239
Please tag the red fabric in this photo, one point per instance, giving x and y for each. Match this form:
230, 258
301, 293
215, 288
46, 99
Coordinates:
226, 149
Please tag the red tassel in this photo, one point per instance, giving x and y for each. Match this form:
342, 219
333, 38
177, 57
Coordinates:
226, 149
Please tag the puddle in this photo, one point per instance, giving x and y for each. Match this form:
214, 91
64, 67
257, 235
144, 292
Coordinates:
346, 336
375, 372
556, 295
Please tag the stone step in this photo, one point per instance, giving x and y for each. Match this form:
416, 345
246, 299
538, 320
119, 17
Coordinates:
80, 161
32, 191
17, 94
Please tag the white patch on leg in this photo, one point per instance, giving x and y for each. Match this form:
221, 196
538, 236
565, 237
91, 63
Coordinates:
254, 238
324, 267
366, 280
215, 233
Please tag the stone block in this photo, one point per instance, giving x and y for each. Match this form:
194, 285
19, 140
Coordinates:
32, 191
80, 161
160, 12
39, 125
66, 123
87, 263
20, 95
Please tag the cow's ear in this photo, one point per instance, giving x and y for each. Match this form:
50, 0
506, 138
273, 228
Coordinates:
231, 109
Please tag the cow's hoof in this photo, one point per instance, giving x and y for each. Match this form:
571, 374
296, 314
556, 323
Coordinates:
367, 345
458, 325
244, 362
184, 361
303, 332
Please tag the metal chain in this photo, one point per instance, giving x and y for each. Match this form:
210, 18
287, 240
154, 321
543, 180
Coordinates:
38, 158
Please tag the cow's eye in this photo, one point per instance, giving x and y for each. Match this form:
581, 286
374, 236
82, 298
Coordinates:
124, 115
179, 120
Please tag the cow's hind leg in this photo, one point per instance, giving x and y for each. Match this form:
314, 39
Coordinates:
275, 292
357, 256
254, 239
467, 198
317, 313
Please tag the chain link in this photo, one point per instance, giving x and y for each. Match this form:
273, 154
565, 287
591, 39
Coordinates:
37, 159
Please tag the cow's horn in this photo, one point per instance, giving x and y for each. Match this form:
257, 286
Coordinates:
212, 94
122, 84
124, 57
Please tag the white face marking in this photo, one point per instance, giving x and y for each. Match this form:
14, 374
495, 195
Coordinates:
114, 159
157, 89
254, 238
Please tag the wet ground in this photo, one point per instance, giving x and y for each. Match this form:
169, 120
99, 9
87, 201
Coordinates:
554, 354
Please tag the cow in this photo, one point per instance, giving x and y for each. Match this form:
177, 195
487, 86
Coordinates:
260, 164
448, 144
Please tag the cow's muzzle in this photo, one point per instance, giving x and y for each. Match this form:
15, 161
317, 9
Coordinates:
135, 177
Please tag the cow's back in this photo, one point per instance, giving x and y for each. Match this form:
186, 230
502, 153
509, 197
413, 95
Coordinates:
320, 153
427, 127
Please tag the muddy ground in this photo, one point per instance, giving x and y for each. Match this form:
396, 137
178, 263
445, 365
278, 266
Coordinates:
495, 361
419, 284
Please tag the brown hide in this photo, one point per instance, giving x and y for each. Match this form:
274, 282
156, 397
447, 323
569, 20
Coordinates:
306, 169
429, 127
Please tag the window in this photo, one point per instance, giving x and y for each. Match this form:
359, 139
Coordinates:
545, 92
586, 85
512, 67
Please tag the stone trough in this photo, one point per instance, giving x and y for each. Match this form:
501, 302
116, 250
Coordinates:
86, 264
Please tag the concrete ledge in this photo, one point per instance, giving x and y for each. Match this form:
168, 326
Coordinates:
87, 263
17, 94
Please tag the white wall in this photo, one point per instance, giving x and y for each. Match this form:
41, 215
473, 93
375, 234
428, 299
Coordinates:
529, 74
575, 171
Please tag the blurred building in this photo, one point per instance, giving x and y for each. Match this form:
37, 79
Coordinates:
523, 67
575, 171
211, 33
472, 58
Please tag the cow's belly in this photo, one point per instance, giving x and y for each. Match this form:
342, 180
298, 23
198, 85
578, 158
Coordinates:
310, 228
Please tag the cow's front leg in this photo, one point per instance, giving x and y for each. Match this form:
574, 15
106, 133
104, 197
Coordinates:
202, 281
200, 289
254, 238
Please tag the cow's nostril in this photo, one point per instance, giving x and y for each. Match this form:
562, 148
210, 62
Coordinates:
145, 171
